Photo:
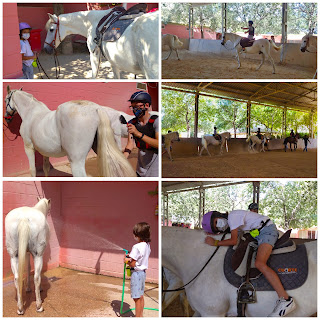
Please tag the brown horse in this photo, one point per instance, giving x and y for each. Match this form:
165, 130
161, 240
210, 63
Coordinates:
292, 140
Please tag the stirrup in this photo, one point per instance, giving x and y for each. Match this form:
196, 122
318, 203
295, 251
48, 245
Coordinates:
246, 293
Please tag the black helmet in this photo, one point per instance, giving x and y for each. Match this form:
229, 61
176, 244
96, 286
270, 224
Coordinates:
214, 127
250, 22
141, 96
253, 206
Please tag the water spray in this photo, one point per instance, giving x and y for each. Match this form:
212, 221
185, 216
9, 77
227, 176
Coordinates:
123, 287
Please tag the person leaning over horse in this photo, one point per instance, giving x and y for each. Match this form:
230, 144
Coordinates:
144, 129
245, 220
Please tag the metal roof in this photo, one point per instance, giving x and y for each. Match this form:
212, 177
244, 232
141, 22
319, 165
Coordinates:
300, 96
181, 186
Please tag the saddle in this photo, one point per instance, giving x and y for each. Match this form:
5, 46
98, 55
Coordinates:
217, 137
246, 42
112, 26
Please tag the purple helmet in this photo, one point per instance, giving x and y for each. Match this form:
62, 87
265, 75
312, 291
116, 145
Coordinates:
207, 220
24, 25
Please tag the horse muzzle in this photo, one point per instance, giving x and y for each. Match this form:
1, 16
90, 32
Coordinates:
48, 49
303, 49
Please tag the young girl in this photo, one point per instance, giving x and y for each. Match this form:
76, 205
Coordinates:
27, 55
138, 260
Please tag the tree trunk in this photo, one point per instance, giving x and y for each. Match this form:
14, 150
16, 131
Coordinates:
66, 44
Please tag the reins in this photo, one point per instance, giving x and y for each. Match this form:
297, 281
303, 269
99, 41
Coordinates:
183, 287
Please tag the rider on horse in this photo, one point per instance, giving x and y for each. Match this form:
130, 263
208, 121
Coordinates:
259, 134
250, 31
215, 134
292, 133
265, 232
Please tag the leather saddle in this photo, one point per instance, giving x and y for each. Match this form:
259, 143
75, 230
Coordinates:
246, 42
217, 137
112, 25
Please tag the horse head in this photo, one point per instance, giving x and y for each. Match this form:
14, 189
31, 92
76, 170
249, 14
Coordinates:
54, 32
10, 105
305, 43
43, 205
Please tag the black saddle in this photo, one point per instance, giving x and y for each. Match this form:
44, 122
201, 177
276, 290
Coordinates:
217, 137
246, 42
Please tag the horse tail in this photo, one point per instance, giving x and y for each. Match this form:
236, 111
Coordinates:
274, 46
23, 234
111, 161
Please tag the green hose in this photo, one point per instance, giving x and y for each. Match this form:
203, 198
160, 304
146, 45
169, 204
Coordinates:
123, 287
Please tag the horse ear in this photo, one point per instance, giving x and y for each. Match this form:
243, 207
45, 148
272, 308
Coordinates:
21, 88
8, 89
38, 198
53, 17
49, 201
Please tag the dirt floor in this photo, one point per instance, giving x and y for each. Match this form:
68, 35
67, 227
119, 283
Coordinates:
273, 164
64, 169
69, 293
212, 66
76, 66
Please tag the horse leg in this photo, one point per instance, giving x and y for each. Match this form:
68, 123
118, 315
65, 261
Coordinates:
14, 268
46, 166
238, 58
38, 262
95, 55
262, 62
78, 167
177, 53
28, 289
169, 54
29, 150
272, 61
116, 72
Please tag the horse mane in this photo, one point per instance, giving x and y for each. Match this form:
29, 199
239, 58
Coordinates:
43, 206
29, 95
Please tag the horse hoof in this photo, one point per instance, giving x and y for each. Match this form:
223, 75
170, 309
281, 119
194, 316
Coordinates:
20, 312
40, 309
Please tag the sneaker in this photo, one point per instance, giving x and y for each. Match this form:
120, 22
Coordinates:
283, 307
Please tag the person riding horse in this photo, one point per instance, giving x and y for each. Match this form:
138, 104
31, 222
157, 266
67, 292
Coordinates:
292, 133
259, 134
215, 134
247, 42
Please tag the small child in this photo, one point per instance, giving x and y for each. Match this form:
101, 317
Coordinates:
138, 261
27, 55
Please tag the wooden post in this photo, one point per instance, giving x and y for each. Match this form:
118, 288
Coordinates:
284, 38
248, 119
196, 113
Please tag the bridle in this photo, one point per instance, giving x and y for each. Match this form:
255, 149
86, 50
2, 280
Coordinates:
53, 42
10, 116
307, 45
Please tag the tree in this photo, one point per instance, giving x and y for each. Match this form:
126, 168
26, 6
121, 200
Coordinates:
270, 117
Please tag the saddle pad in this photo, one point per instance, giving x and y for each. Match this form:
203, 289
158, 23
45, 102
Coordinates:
116, 30
245, 42
291, 267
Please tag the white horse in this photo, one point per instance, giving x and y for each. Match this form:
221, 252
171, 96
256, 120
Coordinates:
136, 51
173, 283
27, 231
254, 140
309, 41
262, 46
208, 140
210, 294
69, 131
167, 140
173, 42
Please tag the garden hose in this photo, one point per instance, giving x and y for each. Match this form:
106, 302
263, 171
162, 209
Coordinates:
123, 287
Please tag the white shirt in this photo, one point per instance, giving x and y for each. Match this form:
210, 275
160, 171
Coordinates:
26, 50
245, 220
140, 252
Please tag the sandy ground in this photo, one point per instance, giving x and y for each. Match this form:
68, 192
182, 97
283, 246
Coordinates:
69, 293
76, 66
64, 169
273, 164
212, 66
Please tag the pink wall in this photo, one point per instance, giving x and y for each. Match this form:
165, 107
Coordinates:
111, 94
12, 62
182, 32
18, 194
90, 222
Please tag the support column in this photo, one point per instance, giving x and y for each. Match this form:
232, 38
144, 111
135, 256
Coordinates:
248, 119
223, 17
311, 131
196, 113
256, 191
192, 23
284, 37
165, 211
284, 122
189, 22
202, 194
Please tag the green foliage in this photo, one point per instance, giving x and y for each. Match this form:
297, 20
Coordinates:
290, 204
267, 17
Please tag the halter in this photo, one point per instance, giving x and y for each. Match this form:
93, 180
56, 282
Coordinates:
53, 42
10, 116
307, 45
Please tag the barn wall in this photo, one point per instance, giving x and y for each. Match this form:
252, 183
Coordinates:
12, 61
114, 95
99, 208
18, 194
90, 222
182, 31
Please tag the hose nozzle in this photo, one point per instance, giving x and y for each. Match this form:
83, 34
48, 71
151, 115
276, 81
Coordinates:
126, 251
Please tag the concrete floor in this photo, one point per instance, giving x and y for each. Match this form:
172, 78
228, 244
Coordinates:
69, 293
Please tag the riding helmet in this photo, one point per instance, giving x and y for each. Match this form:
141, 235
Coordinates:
24, 25
253, 206
141, 96
208, 218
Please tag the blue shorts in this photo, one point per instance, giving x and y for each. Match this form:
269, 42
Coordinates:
268, 234
138, 279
